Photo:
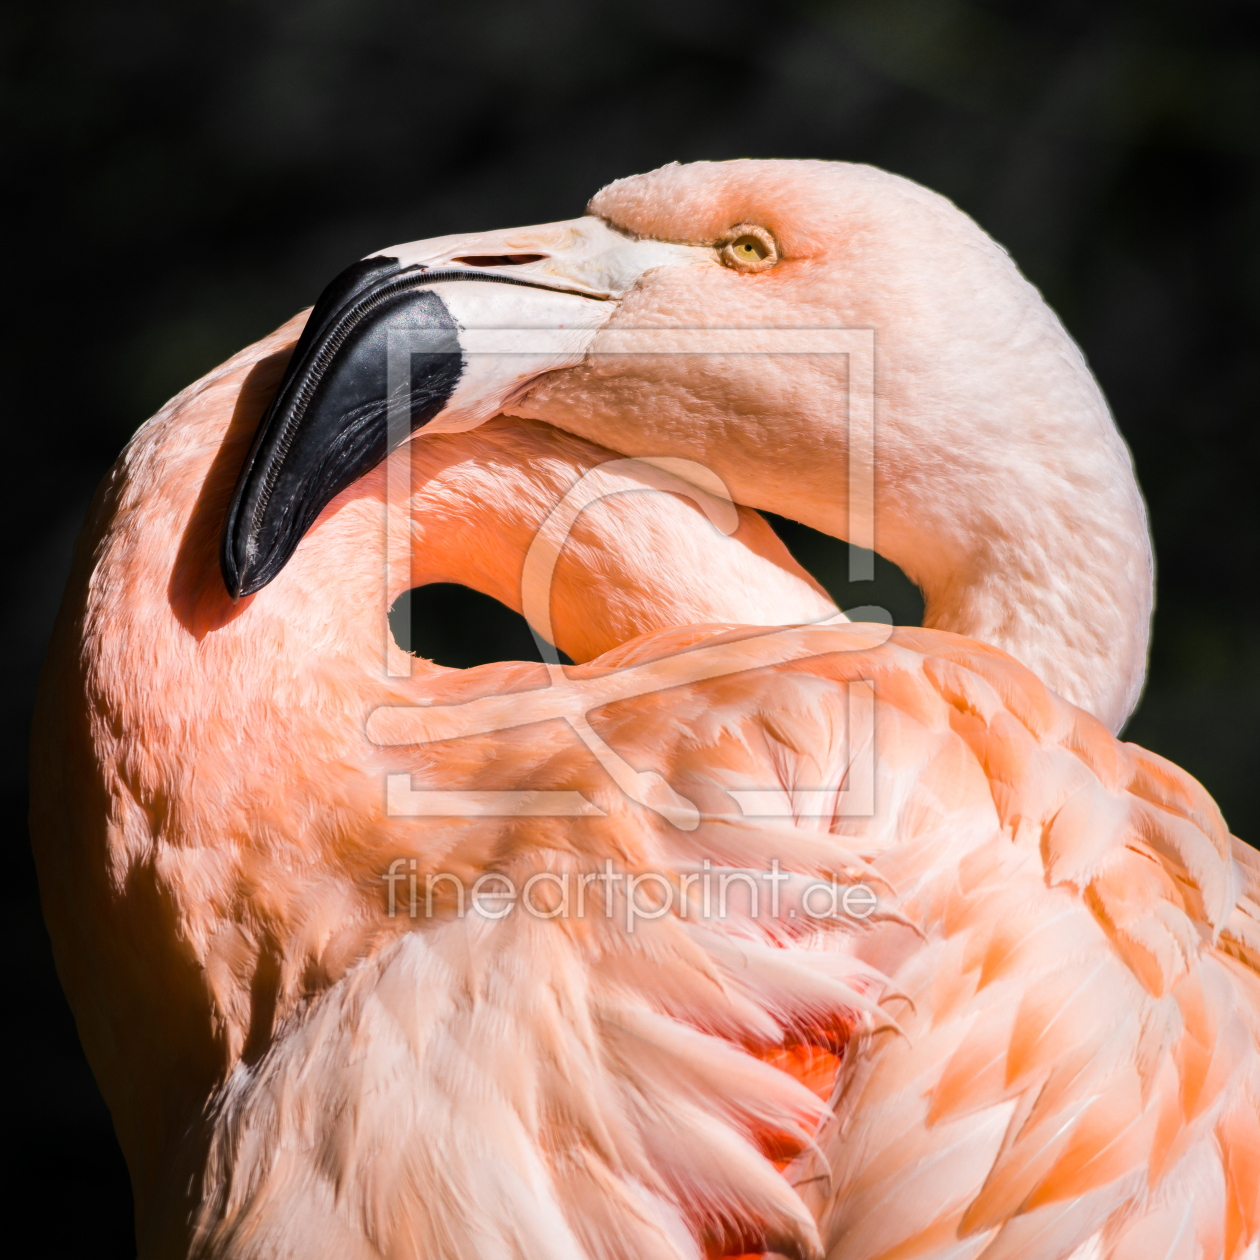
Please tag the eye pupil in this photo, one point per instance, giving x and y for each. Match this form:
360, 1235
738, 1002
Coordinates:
749, 249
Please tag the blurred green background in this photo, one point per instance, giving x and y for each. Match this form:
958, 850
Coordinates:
183, 177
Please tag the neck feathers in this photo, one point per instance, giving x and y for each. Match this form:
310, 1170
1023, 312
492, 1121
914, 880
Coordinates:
1039, 542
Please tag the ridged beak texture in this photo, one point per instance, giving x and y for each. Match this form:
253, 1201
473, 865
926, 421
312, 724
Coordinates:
436, 334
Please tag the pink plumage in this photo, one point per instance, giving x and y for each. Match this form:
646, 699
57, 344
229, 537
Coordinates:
1039, 1038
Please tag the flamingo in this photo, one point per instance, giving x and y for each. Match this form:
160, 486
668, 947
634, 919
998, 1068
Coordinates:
1036, 1030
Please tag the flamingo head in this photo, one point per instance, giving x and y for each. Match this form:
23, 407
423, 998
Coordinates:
834, 343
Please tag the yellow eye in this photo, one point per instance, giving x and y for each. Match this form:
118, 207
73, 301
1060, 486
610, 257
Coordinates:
748, 247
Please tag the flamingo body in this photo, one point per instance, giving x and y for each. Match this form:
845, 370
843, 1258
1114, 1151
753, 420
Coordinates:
1042, 1040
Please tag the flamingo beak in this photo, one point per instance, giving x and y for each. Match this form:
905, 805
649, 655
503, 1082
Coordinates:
436, 335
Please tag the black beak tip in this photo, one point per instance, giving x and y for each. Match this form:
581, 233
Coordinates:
232, 565
244, 574
328, 422
232, 576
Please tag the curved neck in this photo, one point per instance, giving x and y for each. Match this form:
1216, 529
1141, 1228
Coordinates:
1042, 551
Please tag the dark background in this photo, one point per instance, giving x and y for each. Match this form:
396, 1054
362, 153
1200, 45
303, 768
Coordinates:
181, 178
